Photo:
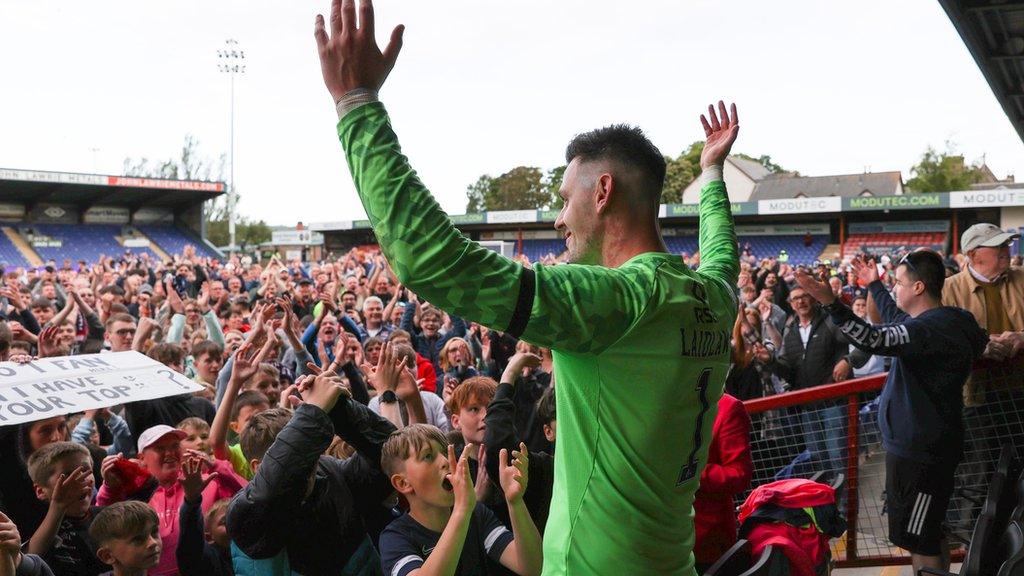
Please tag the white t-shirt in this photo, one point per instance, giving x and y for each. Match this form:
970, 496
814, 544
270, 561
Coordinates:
433, 405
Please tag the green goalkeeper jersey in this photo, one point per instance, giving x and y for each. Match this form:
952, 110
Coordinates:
641, 354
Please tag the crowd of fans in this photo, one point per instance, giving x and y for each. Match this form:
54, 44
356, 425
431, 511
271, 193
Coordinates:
334, 401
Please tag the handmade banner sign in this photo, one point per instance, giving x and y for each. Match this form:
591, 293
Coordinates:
50, 387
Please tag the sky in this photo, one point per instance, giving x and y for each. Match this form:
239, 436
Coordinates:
483, 86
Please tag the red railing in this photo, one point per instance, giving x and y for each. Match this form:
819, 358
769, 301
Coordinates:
850, 390
990, 424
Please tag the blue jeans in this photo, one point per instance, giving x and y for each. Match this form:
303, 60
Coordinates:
824, 430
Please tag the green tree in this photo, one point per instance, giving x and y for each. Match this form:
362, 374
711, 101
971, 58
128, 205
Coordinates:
943, 172
553, 181
521, 188
680, 172
477, 194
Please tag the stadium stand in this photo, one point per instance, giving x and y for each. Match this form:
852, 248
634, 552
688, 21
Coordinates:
886, 242
81, 242
10, 256
760, 246
173, 240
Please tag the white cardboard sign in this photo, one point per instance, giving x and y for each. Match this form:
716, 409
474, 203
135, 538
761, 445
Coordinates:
62, 385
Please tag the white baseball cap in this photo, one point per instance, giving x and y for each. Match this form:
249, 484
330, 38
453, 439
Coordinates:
987, 235
155, 433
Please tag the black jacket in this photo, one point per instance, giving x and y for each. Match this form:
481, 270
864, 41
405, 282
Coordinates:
323, 531
826, 346
921, 406
501, 433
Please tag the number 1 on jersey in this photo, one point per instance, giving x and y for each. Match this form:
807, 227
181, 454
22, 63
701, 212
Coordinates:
689, 469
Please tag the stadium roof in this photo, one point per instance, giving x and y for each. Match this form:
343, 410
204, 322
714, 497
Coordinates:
993, 31
85, 190
845, 185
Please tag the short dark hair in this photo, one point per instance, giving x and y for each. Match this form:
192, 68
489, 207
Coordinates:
123, 520
261, 431
926, 266
166, 353
546, 406
247, 398
624, 144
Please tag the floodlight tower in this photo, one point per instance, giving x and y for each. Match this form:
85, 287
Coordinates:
231, 61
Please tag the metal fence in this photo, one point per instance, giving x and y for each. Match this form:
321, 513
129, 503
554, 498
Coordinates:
831, 432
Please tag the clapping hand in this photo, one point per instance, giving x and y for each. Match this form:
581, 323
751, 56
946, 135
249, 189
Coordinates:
515, 475
192, 481
461, 481
866, 270
820, 291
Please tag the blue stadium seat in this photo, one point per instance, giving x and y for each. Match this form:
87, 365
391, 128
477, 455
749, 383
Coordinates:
173, 241
10, 257
82, 242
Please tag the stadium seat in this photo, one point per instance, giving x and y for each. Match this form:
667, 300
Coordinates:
1011, 551
173, 240
10, 256
984, 552
734, 562
82, 241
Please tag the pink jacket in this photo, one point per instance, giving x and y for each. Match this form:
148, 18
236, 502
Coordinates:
167, 502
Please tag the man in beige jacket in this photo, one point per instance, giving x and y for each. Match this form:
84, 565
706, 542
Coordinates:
993, 292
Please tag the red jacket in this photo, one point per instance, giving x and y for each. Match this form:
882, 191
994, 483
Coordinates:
425, 371
726, 474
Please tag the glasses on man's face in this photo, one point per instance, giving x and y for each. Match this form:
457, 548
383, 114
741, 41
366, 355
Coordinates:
802, 297
125, 332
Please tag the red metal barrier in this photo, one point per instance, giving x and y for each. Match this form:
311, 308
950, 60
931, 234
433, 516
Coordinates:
993, 417
847, 555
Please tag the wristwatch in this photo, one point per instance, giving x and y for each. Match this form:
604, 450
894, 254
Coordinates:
388, 397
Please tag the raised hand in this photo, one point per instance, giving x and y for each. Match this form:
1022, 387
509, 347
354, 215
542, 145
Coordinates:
462, 483
388, 369
350, 57
866, 270
203, 301
323, 390
71, 488
720, 133
517, 364
192, 481
482, 487
109, 473
48, 343
10, 543
173, 299
818, 290
515, 476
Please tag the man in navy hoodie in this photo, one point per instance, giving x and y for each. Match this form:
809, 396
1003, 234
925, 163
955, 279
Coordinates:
921, 404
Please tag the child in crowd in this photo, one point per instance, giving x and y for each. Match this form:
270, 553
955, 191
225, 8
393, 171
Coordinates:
127, 538
236, 408
446, 531
501, 433
197, 435
62, 476
204, 546
161, 453
299, 499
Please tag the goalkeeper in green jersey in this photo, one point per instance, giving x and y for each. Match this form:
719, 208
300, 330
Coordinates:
640, 341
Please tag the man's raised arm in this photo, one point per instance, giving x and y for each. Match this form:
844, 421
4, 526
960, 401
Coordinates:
719, 255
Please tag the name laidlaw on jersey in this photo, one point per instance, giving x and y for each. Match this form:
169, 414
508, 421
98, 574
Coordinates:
704, 343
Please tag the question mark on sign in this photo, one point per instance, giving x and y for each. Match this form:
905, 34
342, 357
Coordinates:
171, 376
